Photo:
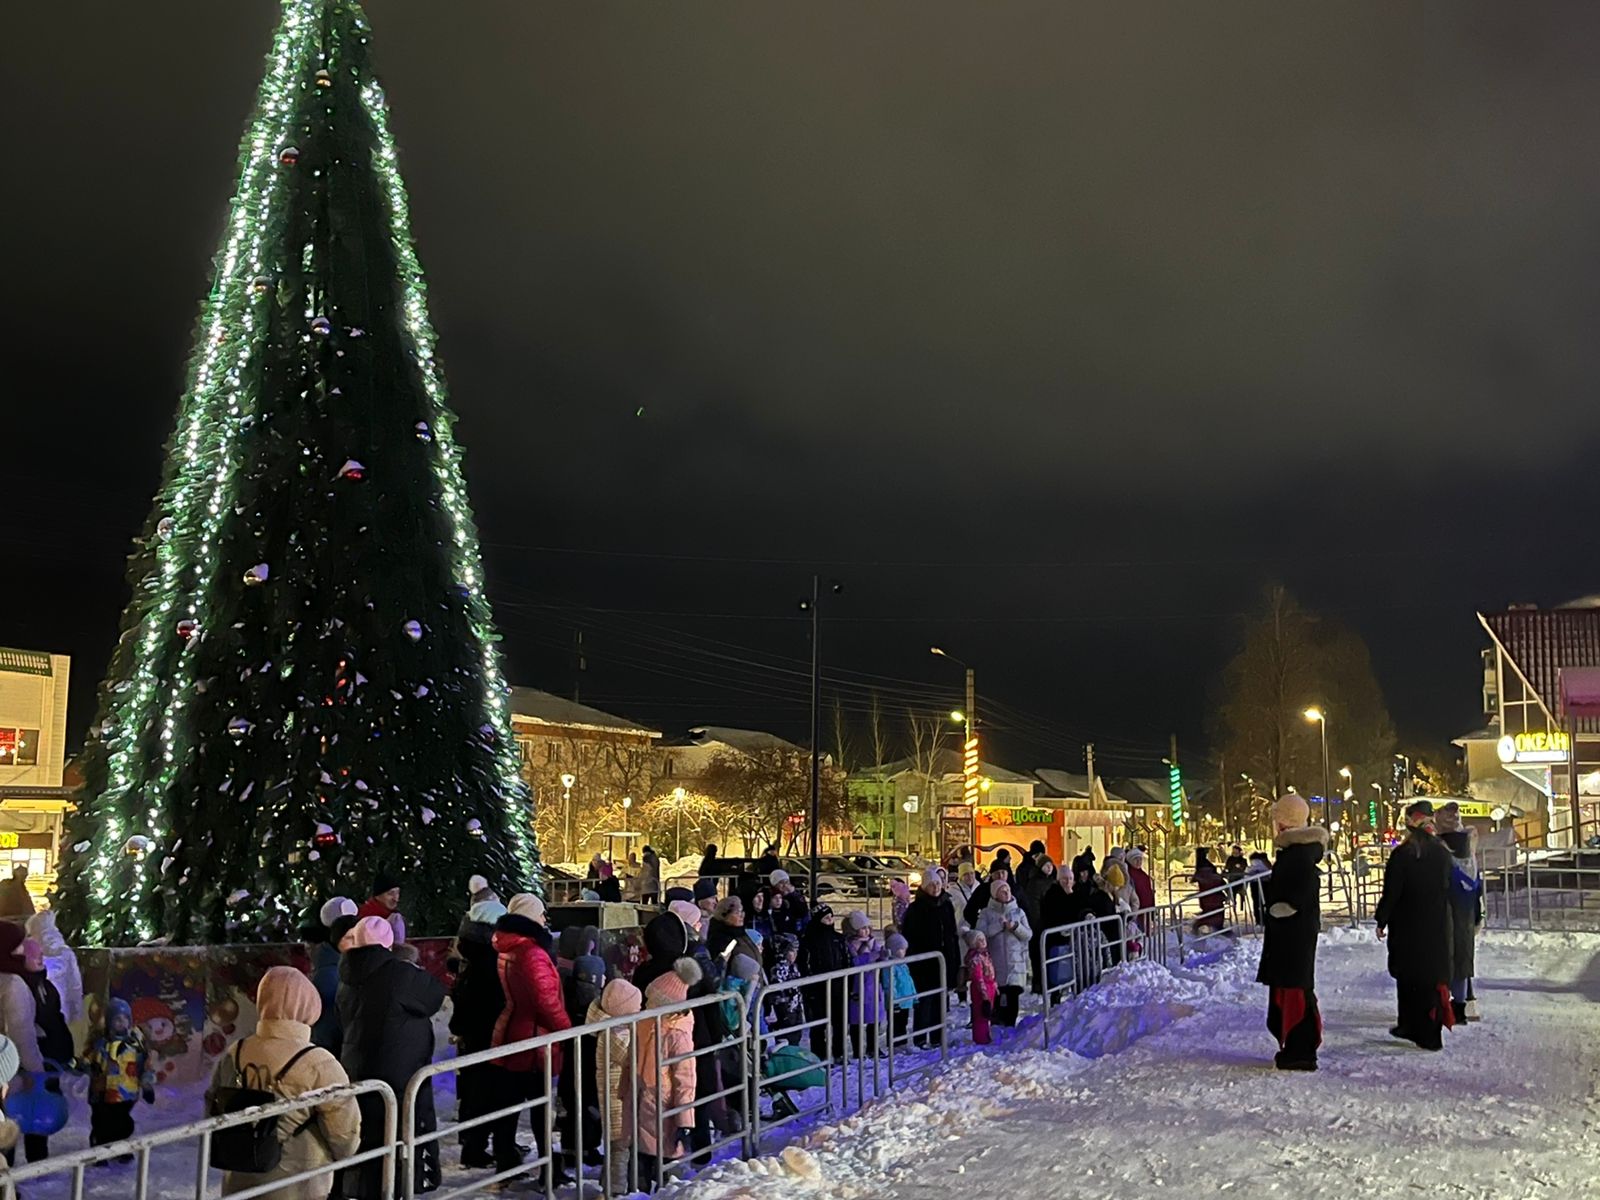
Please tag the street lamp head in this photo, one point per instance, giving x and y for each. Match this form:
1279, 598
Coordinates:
627, 802
939, 652
567, 779
958, 716
1378, 787
1314, 714
678, 794
1345, 771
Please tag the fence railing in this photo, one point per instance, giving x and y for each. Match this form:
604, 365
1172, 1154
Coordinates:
1531, 888
849, 1018
142, 1146
1072, 957
539, 1101
1193, 922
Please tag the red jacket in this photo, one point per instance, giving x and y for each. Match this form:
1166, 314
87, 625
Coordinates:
1143, 886
534, 1001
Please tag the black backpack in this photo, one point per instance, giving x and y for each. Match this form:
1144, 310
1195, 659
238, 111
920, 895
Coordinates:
253, 1148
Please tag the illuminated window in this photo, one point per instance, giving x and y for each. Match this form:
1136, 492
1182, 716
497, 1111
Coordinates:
19, 747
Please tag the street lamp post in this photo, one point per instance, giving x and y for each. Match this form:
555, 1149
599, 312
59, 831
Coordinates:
1346, 794
567, 780
970, 756
1321, 718
627, 803
810, 607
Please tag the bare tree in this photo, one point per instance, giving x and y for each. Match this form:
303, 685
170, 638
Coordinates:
771, 792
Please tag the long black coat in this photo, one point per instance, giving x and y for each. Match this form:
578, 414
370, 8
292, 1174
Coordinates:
478, 999
386, 1008
1289, 943
930, 925
1465, 913
1415, 909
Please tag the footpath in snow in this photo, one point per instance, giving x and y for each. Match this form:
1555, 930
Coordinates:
1168, 1089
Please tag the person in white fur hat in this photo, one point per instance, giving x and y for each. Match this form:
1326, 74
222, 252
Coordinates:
1289, 944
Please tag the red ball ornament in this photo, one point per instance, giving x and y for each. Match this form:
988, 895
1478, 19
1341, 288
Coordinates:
188, 627
353, 470
289, 155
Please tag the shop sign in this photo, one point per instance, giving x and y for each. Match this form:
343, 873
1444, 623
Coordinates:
1539, 747
1017, 816
8, 841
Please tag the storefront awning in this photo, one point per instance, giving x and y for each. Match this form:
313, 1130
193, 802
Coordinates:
1580, 691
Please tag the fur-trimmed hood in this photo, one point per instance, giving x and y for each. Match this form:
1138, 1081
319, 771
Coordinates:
1305, 835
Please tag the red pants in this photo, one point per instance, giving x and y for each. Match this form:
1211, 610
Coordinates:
1294, 1019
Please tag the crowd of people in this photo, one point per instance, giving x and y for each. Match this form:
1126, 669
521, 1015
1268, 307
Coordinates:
366, 1009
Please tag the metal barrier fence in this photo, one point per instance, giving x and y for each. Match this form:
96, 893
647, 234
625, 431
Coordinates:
1072, 957
841, 886
539, 1102
141, 1146
837, 1024
1527, 888
1187, 923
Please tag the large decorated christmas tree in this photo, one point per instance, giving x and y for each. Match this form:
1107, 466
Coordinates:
306, 692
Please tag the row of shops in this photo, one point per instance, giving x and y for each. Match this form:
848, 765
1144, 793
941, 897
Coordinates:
34, 791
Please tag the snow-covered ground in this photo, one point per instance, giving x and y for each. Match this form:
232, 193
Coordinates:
1160, 1083
1194, 1108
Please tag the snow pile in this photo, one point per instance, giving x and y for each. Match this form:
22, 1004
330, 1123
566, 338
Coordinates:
1343, 935
890, 1138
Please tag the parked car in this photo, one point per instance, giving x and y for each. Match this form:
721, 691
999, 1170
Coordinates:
833, 881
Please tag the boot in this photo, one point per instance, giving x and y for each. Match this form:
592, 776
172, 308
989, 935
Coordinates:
1459, 1008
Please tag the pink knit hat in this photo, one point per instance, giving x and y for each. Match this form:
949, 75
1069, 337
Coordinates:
673, 987
369, 931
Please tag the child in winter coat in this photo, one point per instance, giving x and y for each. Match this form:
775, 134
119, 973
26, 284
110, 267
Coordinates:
1005, 927
786, 1007
119, 1074
981, 987
619, 999
10, 1064
653, 1085
902, 988
864, 950
60, 963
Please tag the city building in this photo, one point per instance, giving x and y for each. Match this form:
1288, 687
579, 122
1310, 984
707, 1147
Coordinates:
1536, 760
34, 793
579, 764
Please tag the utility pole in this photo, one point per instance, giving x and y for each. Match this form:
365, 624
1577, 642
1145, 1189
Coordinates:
816, 756
811, 606
1088, 758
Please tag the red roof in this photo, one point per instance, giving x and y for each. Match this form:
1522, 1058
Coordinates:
1544, 641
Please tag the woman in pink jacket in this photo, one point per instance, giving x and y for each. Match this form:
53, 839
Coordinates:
655, 1085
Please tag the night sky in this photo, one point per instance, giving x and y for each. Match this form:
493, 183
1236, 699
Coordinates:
1055, 331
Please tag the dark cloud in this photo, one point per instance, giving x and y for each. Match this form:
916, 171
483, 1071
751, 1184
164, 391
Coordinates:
1226, 291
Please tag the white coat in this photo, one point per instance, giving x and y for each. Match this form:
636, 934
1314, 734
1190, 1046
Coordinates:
18, 1015
1007, 948
333, 1133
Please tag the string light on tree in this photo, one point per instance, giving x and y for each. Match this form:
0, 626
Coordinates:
237, 721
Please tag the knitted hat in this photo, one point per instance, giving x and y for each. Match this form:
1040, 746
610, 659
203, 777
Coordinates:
678, 893
590, 968
1291, 811
777, 877
744, 967
340, 927
384, 883
857, 920
728, 907
1135, 857
620, 998
686, 912
285, 994
117, 1007
896, 944
673, 987
822, 911
339, 906
10, 1060
1000, 890
784, 943
705, 889
476, 884
526, 904
486, 912
371, 931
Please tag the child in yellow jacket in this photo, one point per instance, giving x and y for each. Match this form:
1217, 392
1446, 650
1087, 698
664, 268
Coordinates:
119, 1074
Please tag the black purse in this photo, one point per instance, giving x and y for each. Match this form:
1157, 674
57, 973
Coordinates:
253, 1148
